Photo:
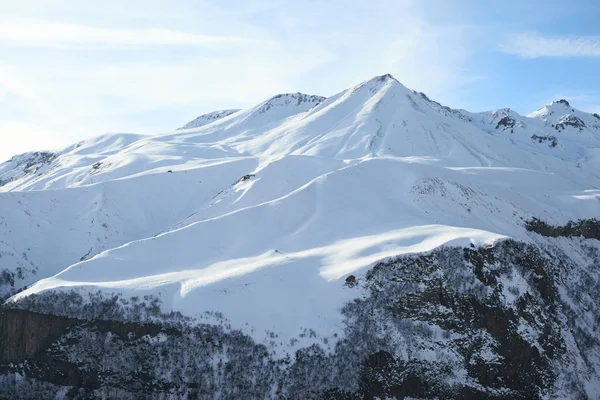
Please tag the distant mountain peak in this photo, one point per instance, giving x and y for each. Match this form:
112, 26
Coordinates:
379, 79
297, 97
208, 118
384, 77
286, 99
558, 108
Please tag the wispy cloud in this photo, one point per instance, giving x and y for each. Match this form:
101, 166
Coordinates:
52, 33
432, 58
13, 81
20, 137
535, 45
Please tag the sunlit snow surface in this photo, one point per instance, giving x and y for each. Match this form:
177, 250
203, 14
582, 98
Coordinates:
262, 213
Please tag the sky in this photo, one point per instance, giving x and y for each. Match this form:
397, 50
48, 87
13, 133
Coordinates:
71, 69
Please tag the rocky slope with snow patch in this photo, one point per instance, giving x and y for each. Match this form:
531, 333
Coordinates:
205, 119
371, 244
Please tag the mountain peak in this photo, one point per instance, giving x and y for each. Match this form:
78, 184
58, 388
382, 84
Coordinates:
376, 83
384, 78
381, 79
297, 96
558, 108
207, 118
294, 99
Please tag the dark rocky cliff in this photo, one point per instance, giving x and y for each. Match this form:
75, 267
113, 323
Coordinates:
25, 335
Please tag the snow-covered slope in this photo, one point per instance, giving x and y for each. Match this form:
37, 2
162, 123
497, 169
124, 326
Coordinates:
262, 215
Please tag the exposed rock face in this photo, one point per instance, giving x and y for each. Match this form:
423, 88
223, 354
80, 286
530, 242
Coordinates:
552, 140
24, 165
506, 122
206, 119
25, 335
588, 228
570, 120
290, 98
506, 321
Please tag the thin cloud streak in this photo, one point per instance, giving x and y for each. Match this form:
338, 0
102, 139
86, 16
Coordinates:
534, 45
52, 33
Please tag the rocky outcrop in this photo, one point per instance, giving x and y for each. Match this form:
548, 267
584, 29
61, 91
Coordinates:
570, 120
552, 140
206, 119
25, 165
506, 122
25, 335
587, 228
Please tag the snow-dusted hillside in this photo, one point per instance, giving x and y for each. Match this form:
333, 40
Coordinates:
269, 218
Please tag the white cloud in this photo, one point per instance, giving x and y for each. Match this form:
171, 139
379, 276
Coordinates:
13, 81
18, 88
52, 33
431, 59
19, 137
534, 45
106, 89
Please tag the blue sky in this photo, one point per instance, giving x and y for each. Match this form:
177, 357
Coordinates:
71, 69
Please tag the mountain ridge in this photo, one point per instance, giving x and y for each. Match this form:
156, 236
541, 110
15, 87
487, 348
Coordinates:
528, 129
508, 120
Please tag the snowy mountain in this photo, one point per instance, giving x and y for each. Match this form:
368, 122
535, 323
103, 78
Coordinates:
371, 244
